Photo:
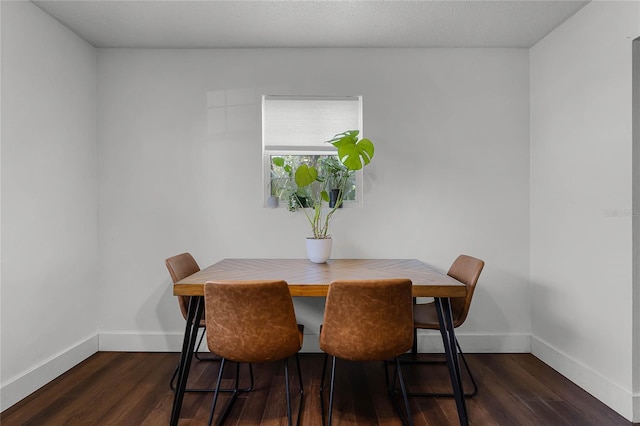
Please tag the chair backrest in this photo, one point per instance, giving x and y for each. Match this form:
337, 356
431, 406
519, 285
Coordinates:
368, 320
250, 321
181, 266
465, 269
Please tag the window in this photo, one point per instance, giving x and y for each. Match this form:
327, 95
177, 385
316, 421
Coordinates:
294, 129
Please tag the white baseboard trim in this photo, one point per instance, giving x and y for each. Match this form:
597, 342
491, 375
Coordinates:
431, 341
613, 395
168, 342
427, 342
117, 341
19, 387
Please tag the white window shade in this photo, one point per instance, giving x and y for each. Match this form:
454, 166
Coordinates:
307, 122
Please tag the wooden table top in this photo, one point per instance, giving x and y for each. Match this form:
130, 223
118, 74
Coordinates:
311, 279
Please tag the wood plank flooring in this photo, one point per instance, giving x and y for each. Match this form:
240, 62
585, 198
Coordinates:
113, 388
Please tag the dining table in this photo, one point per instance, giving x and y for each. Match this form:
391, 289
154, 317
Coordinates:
308, 279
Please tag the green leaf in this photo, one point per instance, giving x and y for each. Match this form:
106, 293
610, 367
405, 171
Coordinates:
278, 161
349, 134
305, 175
287, 168
355, 155
325, 196
343, 141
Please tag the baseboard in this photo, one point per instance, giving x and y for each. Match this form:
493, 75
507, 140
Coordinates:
27, 383
427, 342
613, 395
167, 342
142, 342
431, 341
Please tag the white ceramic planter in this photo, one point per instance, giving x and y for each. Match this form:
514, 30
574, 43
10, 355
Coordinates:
319, 250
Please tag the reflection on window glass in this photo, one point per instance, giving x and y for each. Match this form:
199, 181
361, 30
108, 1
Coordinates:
331, 172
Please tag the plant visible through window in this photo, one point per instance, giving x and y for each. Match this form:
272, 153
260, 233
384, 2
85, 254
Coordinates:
283, 181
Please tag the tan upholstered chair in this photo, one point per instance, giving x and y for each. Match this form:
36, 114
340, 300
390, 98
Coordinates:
252, 321
465, 269
181, 266
367, 321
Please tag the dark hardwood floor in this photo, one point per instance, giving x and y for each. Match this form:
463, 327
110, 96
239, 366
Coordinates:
112, 388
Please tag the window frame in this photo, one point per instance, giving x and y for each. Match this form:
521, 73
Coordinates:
320, 149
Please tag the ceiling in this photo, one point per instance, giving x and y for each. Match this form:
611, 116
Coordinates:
302, 23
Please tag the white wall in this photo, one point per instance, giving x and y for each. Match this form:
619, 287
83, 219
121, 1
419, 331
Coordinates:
49, 200
581, 200
450, 175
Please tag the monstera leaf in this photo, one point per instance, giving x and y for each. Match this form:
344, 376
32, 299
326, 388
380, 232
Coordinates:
313, 183
353, 153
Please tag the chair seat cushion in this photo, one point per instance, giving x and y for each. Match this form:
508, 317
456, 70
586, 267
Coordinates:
425, 316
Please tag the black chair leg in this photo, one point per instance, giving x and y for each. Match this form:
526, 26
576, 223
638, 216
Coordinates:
287, 391
215, 395
231, 401
250, 388
407, 408
172, 385
331, 389
324, 370
386, 376
195, 353
473, 381
445, 395
301, 389
397, 376
215, 358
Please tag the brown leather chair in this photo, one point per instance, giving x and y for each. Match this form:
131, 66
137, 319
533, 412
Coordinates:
181, 266
465, 269
252, 321
367, 320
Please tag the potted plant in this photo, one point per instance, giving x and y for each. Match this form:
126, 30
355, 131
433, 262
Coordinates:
317, 182
338, 177
282, 187
280, 181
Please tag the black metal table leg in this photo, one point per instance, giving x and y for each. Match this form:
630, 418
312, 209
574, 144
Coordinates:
196, 306
443, 308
